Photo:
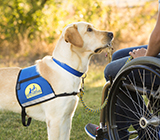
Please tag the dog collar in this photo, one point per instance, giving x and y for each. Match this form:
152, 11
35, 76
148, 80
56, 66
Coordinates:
68, 68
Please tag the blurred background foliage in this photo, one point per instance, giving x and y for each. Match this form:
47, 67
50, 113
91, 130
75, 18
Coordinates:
29, 29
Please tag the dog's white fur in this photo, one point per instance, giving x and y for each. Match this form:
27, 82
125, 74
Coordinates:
75, 47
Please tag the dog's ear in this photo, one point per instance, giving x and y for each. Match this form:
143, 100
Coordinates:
72, 35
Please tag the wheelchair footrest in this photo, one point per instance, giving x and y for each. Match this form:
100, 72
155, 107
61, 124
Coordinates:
102, 134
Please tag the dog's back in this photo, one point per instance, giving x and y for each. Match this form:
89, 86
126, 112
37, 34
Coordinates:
8, 80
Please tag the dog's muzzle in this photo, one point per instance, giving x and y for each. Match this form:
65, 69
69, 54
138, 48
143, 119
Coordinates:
110, 36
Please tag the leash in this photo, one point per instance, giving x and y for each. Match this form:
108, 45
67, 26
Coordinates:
129, 59
84, 105
81, 94
109, 55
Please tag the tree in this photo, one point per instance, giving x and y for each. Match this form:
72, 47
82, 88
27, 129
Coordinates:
20, 19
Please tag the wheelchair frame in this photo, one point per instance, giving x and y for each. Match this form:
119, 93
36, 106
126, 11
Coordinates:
143, 63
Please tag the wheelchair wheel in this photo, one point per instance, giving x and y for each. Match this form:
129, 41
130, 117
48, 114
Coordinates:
133, 109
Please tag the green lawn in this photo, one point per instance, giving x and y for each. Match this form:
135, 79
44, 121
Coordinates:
12, 129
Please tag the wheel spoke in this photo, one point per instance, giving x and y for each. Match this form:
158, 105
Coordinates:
125, 116
135, 103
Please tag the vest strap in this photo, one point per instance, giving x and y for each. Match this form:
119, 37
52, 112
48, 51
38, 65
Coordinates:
23, 114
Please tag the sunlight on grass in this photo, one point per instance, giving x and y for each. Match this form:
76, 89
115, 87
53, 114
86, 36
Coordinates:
95, 76
98, 83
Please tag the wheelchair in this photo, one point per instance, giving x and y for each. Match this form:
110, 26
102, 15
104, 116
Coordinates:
133, 108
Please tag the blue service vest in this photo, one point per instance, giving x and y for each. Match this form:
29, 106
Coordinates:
32, 89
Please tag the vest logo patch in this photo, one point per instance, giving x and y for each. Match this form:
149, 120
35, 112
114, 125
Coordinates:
32, 90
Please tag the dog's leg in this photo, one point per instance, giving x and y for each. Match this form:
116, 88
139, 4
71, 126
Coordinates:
53, 129
59, 117
59, 130
65, 128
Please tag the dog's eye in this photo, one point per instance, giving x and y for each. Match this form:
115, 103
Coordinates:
89, 30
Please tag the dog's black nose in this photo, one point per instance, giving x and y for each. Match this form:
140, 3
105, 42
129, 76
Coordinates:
110, 34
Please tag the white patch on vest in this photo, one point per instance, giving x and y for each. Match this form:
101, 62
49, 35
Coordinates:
51, 95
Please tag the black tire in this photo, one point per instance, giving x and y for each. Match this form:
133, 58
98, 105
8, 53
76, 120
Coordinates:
138, 101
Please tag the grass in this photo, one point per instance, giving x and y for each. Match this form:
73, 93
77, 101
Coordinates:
12, 129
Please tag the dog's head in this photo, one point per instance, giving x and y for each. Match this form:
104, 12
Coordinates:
83, 35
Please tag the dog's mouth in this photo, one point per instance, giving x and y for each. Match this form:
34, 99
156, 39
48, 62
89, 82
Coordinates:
99, 50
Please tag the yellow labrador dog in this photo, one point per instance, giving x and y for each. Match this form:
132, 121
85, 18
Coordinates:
78, 42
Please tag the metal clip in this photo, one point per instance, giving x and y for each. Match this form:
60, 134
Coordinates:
83, 77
